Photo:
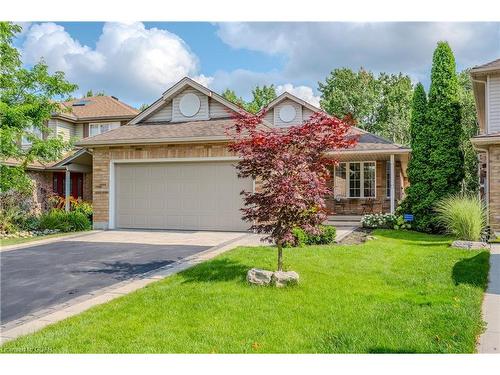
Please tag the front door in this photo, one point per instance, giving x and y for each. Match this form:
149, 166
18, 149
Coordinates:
76, 184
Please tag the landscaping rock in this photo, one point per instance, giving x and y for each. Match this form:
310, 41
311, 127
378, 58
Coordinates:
471, 245
282, 279
259, 277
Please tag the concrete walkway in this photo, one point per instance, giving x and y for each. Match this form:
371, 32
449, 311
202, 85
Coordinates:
489, 342
40, 319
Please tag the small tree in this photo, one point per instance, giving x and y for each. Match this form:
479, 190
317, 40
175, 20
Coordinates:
291, 170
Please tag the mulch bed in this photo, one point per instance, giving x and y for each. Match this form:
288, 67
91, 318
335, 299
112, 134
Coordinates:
358, 236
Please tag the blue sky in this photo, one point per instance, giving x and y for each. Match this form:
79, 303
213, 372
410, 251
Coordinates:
138, 61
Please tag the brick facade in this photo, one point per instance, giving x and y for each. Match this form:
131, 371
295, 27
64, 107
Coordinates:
103, 156
42, 189
494, 187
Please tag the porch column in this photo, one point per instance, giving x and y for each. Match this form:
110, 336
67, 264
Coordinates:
67, 185
393, 188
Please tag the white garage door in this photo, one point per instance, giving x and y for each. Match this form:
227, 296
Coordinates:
180, 195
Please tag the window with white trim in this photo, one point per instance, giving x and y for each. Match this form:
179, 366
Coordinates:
102, 127
32, 130
355, 180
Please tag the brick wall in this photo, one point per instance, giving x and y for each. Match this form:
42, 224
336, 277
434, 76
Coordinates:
42, 188
87, 187
103, 156
494, 187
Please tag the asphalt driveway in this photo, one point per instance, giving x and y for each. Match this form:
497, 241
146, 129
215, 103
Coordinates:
37, 277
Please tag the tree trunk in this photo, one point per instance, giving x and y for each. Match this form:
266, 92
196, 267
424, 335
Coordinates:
280, 256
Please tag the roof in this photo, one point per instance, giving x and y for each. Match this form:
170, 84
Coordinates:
372, 142
97, 107
161, 132
208, 130
492, 65
37, 165
172, 91
287, 95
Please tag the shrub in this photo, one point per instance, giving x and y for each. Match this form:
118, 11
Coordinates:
400, 223
378, 221
64, 221
326, 236
463, 215
83, 207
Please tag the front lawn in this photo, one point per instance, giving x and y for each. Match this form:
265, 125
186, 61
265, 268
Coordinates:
402, 292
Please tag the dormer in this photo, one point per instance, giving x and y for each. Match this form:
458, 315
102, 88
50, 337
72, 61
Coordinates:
186, 101
289, 110
486, 86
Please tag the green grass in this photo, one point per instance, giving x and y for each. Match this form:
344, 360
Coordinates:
16, 241
403, 292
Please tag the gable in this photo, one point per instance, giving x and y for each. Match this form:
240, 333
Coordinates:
288, 112
187, 101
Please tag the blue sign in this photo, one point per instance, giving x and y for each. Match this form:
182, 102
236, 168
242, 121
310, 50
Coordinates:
408, 217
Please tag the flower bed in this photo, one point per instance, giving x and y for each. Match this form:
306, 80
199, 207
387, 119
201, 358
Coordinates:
28, 233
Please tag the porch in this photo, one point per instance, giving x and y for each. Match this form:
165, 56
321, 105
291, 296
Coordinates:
366, 183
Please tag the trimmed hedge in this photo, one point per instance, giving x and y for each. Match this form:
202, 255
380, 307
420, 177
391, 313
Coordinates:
72, 221
327, 236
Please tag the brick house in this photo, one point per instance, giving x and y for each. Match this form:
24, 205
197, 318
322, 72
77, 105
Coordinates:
78, 119
169, 166
486, 86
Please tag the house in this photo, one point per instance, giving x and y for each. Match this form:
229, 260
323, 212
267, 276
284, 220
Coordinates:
169, 167
77, 119
486, 86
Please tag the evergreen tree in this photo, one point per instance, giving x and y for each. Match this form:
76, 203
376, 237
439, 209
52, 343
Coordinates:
446, 158
417, 195
470, 128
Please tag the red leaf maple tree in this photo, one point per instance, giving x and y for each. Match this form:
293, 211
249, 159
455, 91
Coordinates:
291, 171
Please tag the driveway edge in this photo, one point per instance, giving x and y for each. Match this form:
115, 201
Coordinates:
42, 318
489, 341
46, 241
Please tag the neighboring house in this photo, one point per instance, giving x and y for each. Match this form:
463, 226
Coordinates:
78, 119
169, 167
486, 86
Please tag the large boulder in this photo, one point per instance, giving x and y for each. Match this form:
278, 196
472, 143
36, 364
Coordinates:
471, 245
282, 279
259, 277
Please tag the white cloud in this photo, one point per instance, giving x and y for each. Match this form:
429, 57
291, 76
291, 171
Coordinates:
312, 50
303, 92
129, 60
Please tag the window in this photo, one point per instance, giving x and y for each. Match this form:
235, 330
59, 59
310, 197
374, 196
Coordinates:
361, 180
99, 128
25, 141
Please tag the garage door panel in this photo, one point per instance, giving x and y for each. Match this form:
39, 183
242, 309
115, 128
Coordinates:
191, 196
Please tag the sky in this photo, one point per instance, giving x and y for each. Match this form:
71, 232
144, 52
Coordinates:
137, 62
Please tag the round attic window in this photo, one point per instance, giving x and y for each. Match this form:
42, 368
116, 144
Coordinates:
287, 113
189, 105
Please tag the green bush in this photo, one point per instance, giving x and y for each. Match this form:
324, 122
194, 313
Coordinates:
64, 221
400, 223
83, 207
378, 220
327, 235
463, 215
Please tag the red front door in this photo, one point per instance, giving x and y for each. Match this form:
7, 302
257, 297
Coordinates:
76, 184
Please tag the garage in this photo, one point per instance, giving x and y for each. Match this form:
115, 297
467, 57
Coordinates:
179, 195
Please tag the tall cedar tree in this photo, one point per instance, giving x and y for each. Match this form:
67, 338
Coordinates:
292, 171
417, 200
470, 128
446, 158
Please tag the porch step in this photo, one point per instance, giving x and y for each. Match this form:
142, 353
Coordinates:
343, 223
344, 220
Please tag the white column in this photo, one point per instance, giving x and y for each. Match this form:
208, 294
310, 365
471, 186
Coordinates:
67, 183
393, 187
